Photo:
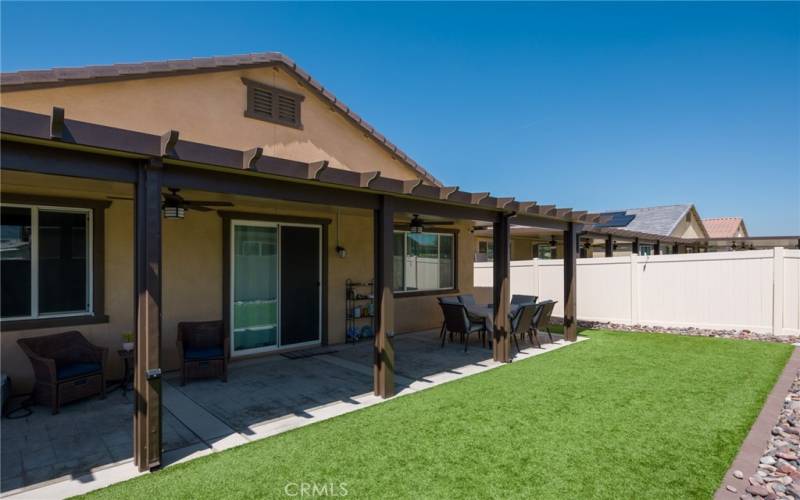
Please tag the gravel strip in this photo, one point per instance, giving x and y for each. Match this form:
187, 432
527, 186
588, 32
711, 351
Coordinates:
689, 331
777, 475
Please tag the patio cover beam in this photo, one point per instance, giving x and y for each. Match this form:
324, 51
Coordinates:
383, 363
501, 346
147, 307
570, 283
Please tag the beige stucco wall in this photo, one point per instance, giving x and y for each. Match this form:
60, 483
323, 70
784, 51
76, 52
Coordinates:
193, 268
209, 108
691, 229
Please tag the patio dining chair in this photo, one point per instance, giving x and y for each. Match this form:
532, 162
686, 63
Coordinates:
541, 320
203, 348
466, 299
449, 299
456, 321
522, 321
518, 299
67, 367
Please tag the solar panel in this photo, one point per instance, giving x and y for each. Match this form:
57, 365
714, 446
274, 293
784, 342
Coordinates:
616, 219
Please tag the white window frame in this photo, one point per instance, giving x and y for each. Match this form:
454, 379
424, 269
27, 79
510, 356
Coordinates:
439, 250
35, 209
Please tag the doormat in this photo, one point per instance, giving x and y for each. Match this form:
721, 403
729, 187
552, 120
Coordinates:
308, 353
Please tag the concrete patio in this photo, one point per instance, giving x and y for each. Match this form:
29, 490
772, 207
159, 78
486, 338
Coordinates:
89, 443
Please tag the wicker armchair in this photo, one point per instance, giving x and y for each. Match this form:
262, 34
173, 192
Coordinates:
203, 347
67, 368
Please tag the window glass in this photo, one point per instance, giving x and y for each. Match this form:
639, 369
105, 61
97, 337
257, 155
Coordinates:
45, 262
62, 262
399, 268
423, 261
544, 251
446, 264
15, 253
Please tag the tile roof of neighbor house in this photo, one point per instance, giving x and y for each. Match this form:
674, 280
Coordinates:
722, 227
655, 220
26, 80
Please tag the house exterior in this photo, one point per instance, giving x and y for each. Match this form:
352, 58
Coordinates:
725, 227
662, 229
138, 196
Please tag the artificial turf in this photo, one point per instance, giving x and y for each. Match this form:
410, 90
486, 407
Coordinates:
624, 415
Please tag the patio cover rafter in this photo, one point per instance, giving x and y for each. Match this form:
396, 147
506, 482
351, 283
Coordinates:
25, 126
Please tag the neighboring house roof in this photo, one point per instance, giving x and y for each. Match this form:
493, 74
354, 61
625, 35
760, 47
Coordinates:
56, 77
724, 227
651, 220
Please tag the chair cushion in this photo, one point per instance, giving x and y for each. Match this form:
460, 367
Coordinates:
69, 370
203, 353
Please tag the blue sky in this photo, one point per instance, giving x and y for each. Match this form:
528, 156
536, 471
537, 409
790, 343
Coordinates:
594, 106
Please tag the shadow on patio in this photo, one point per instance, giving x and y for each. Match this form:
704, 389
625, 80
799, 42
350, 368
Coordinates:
262, 397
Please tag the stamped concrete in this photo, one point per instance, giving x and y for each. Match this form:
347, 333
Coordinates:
86, 435
262, 398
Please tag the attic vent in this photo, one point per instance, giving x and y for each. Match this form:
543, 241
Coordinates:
272, 104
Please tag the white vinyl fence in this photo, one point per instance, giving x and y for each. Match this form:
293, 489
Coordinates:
757, 290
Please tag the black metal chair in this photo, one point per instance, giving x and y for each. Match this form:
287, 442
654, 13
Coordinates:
456, 321
449, 299
466, 299
541, 320
519, 300
522, 321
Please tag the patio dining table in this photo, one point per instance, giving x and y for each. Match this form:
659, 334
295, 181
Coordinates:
486, 312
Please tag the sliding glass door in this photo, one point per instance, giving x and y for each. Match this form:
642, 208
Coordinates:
276, 278
255, 314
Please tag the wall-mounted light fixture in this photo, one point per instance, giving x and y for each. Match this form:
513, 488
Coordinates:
340, 250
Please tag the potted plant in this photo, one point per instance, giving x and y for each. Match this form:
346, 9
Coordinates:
127, 341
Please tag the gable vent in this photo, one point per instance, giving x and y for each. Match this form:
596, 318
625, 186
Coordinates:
273, 104
262, 102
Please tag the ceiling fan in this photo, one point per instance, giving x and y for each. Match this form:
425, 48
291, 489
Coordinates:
417, 224
174, 205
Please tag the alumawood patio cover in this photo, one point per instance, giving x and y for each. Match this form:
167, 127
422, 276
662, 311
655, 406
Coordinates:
55, 145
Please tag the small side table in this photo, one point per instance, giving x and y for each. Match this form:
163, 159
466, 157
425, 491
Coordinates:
127, 374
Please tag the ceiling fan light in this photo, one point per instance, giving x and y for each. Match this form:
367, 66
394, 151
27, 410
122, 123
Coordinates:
416, 228
172, 212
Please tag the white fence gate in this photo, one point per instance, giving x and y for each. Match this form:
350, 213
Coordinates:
757, 290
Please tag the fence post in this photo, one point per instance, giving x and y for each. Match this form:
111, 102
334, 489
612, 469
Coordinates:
634, 288
777, 291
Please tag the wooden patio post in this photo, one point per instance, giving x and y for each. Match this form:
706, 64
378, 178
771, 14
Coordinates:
635, 246
501, 346
657, 248
147, 305
384, 295
570, 290
609, 246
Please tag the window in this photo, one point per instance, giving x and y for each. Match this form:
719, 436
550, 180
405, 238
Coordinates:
543, 251
272, 104
485, 251
46, 261
645, 249
423, 261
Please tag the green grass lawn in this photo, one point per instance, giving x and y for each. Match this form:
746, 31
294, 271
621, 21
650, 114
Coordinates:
620, 416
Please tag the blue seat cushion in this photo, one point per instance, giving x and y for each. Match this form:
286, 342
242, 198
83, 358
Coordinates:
70, 370
203, 353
